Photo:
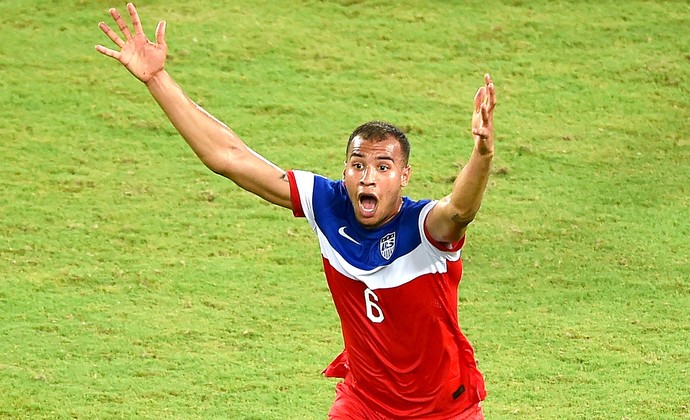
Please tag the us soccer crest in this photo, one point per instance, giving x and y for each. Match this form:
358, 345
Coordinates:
387, 245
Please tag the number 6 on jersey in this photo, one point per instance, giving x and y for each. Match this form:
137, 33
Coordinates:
374, 312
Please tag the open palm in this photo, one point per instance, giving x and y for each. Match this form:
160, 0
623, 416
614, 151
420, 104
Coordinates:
141, 57
483, 117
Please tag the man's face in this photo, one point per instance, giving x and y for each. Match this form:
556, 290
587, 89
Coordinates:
374, 176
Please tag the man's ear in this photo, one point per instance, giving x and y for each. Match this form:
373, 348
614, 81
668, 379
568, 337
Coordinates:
405, 176
344, 168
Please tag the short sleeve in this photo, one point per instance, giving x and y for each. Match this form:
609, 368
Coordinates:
302, 194
441, 249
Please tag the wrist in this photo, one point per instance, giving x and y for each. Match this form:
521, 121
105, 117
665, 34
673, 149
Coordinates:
156, 79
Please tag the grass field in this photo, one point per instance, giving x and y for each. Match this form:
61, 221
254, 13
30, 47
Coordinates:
134, 283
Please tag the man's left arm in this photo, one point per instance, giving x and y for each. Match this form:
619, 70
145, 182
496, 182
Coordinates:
448, 220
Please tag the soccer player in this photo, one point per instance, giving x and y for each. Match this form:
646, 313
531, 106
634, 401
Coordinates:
392, 264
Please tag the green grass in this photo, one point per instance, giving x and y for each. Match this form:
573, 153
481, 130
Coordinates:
135, 283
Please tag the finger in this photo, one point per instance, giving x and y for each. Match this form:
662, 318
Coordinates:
492, 97
160, 33
121, 24
136, 22
489, 87
486, 120
481, 133
107, 51
479, 98
111, 34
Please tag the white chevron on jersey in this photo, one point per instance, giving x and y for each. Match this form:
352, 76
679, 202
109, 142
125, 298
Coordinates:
423, 259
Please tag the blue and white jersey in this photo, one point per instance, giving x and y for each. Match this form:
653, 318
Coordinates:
384, 257
395, 290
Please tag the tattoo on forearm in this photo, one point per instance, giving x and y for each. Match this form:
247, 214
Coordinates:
284, 177
459, 220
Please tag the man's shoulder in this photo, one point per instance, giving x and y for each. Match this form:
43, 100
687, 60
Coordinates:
414, 204
413, 208
319, 183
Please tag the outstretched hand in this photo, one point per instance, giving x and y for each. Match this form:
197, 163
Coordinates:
483, 117
141, 57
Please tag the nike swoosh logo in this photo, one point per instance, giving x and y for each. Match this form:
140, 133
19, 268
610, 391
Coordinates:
342, 233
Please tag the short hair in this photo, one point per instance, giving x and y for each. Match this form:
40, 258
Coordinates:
380, 131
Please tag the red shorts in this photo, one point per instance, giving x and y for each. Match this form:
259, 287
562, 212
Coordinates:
347, 406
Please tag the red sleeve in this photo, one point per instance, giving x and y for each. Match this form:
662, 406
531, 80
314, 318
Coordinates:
444, 246
297, 210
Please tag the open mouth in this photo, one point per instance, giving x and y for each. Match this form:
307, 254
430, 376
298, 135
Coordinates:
367, 204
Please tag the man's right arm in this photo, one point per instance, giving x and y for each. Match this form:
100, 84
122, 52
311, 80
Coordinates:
217, 146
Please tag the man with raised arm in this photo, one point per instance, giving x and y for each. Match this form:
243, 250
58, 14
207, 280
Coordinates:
392, 264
